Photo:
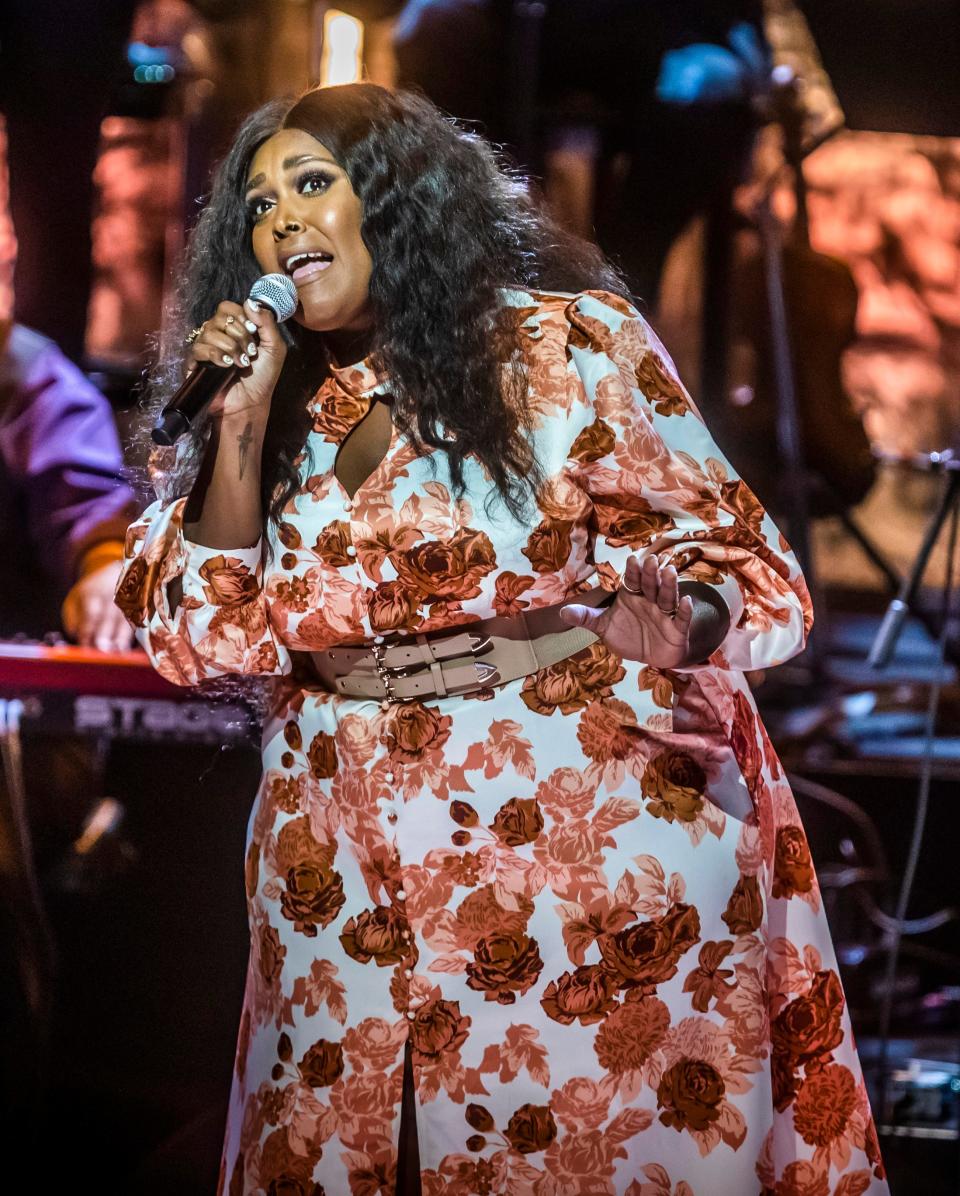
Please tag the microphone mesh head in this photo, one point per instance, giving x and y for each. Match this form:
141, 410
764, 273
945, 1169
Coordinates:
278, 293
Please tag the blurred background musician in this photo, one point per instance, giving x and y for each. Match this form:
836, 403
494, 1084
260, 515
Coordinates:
63, 506
63, 513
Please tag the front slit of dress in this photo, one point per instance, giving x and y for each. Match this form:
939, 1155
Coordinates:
408, 1159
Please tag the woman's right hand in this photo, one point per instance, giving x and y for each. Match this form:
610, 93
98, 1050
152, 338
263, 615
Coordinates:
246, 336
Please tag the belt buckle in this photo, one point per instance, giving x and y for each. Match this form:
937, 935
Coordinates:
387, 674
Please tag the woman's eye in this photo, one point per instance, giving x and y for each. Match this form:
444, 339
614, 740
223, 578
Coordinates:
257, 208
312, 184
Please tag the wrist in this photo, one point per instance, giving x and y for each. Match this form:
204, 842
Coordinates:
238, 422
104, 552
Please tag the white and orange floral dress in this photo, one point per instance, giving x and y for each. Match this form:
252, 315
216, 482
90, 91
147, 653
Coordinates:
584, 897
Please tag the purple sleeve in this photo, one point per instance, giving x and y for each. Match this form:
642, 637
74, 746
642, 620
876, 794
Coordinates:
60, 449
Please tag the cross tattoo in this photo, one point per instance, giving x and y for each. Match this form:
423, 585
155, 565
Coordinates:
244, 440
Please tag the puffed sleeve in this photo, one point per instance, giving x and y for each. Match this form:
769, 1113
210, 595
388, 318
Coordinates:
657, 482
198, 612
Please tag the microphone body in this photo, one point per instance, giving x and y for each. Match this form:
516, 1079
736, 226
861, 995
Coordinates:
199, 387
203, 383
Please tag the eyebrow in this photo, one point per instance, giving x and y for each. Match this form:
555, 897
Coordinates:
289, 164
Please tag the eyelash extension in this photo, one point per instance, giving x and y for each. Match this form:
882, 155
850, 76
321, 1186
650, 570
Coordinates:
321, 176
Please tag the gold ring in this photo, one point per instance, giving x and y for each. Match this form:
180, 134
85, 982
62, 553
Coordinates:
629, 589
193, 334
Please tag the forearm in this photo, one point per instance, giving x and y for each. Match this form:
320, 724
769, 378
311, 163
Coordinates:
711, 620
224, 509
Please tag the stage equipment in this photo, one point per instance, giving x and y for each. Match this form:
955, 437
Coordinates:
794, 295
925, 1099
905, 602
62, 689
58, 689
27, 954
898, 924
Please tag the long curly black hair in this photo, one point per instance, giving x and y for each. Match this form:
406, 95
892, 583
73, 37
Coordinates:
447, 224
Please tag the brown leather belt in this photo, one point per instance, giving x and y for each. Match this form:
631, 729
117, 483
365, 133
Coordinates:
484, 654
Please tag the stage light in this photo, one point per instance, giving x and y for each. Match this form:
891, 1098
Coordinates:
341, 59
154, 73
140, 54
151, 64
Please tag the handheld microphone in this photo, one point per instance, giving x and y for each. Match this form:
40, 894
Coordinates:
275, 291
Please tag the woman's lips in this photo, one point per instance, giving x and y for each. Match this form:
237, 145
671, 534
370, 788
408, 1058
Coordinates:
305, 273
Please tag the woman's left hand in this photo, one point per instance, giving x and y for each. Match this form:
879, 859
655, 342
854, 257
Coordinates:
651, 625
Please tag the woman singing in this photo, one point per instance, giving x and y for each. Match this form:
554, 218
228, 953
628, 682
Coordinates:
519, 822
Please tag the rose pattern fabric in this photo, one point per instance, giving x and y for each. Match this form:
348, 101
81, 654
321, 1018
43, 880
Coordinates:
584, 898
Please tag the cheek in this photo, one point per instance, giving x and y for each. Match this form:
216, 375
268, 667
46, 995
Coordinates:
342, 225
361, 264
363, 267
264, 249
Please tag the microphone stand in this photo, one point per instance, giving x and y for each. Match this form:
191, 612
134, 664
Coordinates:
782, 104
886, 638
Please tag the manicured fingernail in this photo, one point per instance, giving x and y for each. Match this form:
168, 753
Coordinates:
227, 360
252, 348
249, 325
244, 360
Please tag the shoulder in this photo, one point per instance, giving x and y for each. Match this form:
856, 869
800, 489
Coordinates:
587, 320
26, 352
589, 331
25, 345
23, 351
602, 322
599, 336
33, 370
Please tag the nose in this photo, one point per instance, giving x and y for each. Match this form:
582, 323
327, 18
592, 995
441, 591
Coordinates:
285, 225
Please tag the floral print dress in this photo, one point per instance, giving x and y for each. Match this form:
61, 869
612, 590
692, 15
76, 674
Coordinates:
584, 898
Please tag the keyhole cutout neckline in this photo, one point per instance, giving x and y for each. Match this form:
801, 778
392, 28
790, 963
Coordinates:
365, 447
352, 410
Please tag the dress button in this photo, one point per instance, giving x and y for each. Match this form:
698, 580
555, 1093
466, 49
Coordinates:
351, 551
384, 705
411, 1016
390, 778
401, 895
408, 972
348, 505
392, 817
